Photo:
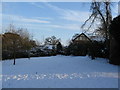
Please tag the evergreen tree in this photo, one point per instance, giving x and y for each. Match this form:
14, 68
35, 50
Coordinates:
59, 48
115, 41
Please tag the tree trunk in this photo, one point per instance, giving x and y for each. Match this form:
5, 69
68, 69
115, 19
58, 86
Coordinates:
29, 54
14, 57
14, 51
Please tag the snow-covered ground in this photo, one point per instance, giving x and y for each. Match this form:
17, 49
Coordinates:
59, 72
0, 74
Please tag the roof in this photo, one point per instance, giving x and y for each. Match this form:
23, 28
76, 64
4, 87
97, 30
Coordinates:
80, 35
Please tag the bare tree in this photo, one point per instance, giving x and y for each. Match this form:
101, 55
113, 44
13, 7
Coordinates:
27, 42
17, 40
101, 12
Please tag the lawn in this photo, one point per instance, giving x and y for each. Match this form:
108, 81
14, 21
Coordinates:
59, 72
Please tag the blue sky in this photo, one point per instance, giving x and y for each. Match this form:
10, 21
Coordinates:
61, 19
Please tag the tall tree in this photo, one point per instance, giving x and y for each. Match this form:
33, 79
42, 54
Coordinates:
101, 12
17, 40
12, 42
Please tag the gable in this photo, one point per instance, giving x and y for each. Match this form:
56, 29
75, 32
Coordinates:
82, 37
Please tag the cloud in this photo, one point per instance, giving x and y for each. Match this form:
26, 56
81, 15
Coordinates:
47, 27
34, 4
75, 15
23, 19
44, 18
66, 15
52, 27
37, 24
65, 27
71, 15
34, 20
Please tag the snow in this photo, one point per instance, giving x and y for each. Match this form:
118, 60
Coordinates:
0, 75
97, 38
59, 72
48, 47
